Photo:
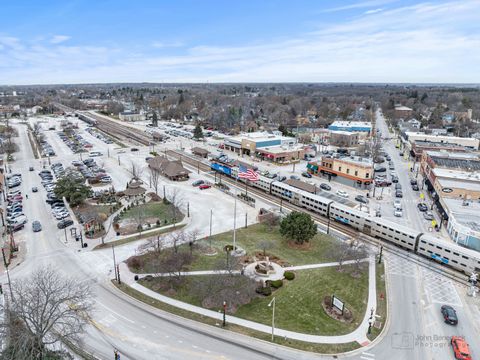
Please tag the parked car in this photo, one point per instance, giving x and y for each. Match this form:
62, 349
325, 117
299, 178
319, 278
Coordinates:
449, 314
15, 227
342, 193
398, 194
362, 199
306, 174
380, 169
64, 223
34, 189
281, 178
394, 179
325, 187
198, 183
36, 226
398, 186
398, 212
21, 219
205, 186
422, 207
294, 177
460, 348
397, 203
415, 187
31, 168
428, 215
133, 149
413, 182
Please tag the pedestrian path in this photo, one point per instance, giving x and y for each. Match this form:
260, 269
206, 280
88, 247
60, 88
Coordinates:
237, 272
358, 335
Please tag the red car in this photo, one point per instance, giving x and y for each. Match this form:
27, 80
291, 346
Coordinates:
205, 186
460, 348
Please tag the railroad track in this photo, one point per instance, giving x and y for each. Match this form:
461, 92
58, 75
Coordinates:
110, 127
344, 229
119, 131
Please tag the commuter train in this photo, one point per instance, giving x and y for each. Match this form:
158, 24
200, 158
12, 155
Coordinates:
453, 255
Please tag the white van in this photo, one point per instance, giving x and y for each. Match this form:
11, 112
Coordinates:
95, 154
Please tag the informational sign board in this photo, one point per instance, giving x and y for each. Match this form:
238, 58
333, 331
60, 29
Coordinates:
338, 303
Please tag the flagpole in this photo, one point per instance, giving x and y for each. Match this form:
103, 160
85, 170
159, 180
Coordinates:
235, 216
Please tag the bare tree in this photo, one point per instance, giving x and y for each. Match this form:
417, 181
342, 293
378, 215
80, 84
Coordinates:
175, 197
265, 245
138, 214
177, 238
135, 170
47, 308
341, 252
235, 290
359, 253
154, 175
36, 128
270, 219
173, 263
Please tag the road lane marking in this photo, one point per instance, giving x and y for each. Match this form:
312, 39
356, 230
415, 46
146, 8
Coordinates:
368, 354
123, 317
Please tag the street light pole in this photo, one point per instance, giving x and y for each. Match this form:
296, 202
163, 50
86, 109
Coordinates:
272, 305
8, 273
224, 314
114, 263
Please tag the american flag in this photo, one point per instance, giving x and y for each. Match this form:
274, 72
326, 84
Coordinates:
249, 174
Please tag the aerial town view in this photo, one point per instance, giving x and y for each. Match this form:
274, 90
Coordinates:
240, 180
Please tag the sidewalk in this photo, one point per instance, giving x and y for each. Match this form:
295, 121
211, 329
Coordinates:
358, 335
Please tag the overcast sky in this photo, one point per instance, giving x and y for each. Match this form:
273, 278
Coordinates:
45, 42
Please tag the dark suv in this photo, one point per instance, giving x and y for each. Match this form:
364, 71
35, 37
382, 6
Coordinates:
64, 223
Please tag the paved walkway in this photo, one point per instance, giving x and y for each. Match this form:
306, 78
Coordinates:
358, 335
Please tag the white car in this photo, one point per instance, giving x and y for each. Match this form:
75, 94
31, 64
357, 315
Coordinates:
398, 212
397, 204
342, 193
19, 220
61, 215
13, 216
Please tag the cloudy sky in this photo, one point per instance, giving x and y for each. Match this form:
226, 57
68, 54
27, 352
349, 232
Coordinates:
87, 41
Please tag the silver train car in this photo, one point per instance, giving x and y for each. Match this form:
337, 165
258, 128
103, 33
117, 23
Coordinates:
443, 252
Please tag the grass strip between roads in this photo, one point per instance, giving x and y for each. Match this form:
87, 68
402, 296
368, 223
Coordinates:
381, 309
319, 348
137, 237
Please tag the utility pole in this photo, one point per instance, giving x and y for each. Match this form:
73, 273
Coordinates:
210, 234
246, 219
114, 263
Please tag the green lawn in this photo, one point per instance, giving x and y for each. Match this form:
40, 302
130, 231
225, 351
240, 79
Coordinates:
320, 348
381, 309
298, 302
155, 210
318, 251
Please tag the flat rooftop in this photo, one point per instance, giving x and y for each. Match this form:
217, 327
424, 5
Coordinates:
457, 174
457, 161
465, 215
258, 136
434, 144
341, 123
459, 184
278, 149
